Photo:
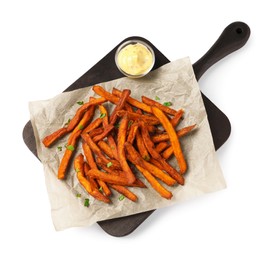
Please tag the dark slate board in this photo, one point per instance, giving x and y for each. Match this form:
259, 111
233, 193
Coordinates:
232, 38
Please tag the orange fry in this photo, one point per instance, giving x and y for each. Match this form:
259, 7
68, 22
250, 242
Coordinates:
101, 136
133, 101
177, 117
95, 132
50, 139
98, 152
154, 103
105, 94
72, 140
110, 138
151, 149
120, 105
165, 137
124, 191
151, 120
96, 123
135, 158
161, 146
173, 138
132, 132
122, 131
93, 183
109, 178
155, 184
78, 165
106, 148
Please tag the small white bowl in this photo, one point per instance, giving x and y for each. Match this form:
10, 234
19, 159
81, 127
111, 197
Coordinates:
134, 57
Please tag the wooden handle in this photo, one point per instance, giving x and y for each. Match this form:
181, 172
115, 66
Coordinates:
232, 38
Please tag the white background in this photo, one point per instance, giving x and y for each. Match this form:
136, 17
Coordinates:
47, 45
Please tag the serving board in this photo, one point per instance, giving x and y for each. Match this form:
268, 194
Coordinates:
232, 38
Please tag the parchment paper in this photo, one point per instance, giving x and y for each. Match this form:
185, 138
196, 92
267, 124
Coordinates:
174, 82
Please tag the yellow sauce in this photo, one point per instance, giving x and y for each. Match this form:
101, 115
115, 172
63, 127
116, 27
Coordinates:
135, 59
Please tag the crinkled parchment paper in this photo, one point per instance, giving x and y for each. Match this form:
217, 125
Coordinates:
174, 82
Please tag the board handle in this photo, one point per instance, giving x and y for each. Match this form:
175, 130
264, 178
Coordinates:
234, 36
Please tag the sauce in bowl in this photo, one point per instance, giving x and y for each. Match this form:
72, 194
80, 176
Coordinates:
135, 58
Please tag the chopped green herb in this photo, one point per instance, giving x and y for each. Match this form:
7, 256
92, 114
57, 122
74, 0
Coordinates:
121, 197
68, 121
102, 115
101, 189
116, 125
146, 158
77, 170
78, 195
157, 98
86, 203
80, 103
60, 148
109, 164
167, 104
70, 147
130, 123
80, 127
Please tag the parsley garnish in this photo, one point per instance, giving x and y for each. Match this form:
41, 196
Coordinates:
130, 123
121, 197
60, 148
157, 98
109, 164
101, 189
167, 104
102, 115
77, 170
68, 121
80, 127
146, 158
86, 203
70, 147
80, 103
78, 195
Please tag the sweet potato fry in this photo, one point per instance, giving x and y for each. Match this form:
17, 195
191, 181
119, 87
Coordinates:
78, 165
155, 184
173, 138
132, 132
110, 138
109, 178
106, 148
67, 156
120, 105
50, 139
121, 150
106, 132
105, 94
96, 123
165, 137
133, 102
135, 158
114, 164
124, 191
151, 149
136, 183
104, 114
177, 117
150, 102
161, 146
95, 132
93, 183
151, 120
141, 147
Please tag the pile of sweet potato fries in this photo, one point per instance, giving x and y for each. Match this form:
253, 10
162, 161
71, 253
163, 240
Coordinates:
135, 134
